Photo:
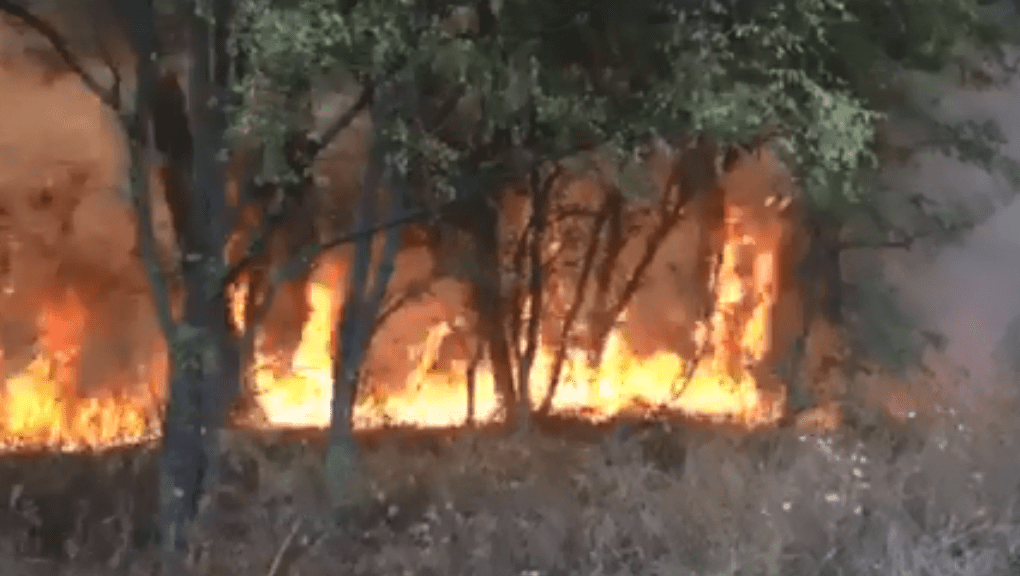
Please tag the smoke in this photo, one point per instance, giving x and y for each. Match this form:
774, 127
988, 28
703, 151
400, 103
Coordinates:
969, 291
66, 235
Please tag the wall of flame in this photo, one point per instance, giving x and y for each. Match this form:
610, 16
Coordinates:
84, 363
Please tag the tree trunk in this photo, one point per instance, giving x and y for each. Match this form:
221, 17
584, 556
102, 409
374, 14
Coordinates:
359, 315
342, 473
820, 280
185, 435
255, 308
488, 301
180, 470
477, 349
153, 122
204, 368
204, 376
222, 386
540, 190
361, 311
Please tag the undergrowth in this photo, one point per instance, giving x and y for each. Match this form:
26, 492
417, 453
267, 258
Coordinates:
933, 495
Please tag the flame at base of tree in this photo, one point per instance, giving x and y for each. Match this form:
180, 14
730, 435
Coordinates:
46, 403
718, 385
621, 382
42, 405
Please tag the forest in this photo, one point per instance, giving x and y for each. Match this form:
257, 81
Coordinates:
499, 287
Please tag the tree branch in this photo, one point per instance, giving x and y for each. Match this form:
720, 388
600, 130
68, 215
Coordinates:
301, 162
139, 127
60, 45
295, 266
115, 89
320, 143
444, 210
905, 242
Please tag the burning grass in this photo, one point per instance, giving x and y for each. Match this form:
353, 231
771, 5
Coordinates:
929, 495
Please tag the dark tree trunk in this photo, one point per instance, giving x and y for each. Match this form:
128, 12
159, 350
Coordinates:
256, 305
162, 104
540, 190
209, 92
357, 323
181, 462
488, 298
222, 388
360, 313
191, 428
342, 453
472, 381
349, 354
204, 367
821, 282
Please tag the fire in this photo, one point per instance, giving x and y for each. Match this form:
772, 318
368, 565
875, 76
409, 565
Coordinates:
38, 411
718, 387
45, 405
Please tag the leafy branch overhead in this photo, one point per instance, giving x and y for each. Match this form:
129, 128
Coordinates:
568, 76
559, 80
561, 77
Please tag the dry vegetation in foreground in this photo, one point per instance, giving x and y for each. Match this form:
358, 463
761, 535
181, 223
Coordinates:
930, 496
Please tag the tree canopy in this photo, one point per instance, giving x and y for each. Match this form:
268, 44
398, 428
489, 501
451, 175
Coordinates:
817, 78
800, 71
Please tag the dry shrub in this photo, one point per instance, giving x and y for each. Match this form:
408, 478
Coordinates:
917, 496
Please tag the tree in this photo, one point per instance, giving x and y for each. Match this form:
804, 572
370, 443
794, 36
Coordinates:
190, 130
158, 118
466, 100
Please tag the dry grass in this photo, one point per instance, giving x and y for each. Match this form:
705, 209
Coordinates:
933, 497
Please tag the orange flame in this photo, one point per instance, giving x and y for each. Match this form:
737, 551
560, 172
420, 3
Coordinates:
720, 386
44, 405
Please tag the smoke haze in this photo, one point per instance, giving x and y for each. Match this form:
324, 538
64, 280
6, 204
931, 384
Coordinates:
969, 291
